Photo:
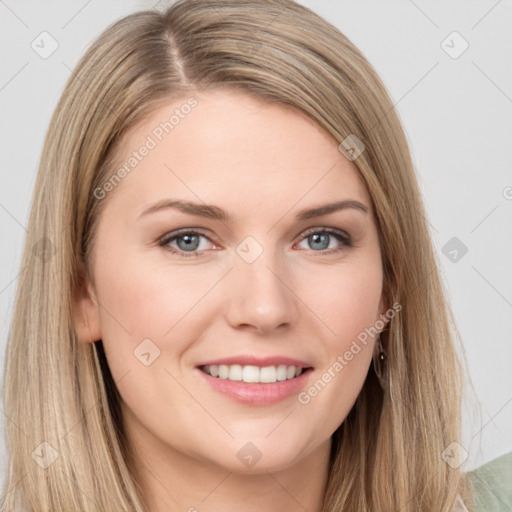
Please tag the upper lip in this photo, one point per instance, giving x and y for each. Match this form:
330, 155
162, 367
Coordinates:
245, 360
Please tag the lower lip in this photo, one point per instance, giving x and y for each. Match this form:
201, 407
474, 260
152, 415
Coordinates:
257, 393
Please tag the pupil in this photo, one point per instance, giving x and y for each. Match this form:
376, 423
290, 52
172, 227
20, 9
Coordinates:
315, 238
190, 243
318, 241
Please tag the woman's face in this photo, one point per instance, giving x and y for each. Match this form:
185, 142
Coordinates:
236, 277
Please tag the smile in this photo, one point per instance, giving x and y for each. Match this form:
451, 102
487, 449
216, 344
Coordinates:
253, 374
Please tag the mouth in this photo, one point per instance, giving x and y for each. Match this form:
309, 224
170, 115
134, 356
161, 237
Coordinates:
254, 374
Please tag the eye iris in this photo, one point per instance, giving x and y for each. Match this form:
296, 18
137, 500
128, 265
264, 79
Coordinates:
191, 242
316, 238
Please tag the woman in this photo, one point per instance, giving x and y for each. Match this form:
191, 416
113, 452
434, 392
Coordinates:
269, 370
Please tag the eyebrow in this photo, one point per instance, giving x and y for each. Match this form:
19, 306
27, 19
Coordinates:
214, 212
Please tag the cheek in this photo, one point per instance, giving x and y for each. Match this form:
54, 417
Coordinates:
346, 300
140, 300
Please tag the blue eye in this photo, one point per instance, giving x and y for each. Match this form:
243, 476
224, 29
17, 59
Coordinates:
189, 241
319, 237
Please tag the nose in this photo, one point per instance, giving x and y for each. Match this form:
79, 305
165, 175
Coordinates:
259, 296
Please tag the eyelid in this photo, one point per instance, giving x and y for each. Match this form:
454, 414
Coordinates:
177, 232
323, 229
344, 238
164, 240
299, 236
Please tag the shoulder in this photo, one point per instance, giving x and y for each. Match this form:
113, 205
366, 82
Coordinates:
492, 485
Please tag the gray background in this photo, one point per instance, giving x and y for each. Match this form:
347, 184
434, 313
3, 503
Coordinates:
457, 114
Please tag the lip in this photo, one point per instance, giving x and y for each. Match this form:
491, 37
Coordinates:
245, 360
257, 393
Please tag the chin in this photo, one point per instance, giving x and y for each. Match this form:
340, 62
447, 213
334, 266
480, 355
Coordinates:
262, 455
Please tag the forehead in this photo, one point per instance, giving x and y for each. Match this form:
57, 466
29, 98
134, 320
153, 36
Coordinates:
225, 146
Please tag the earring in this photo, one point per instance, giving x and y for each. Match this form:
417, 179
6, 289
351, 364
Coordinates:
380, 365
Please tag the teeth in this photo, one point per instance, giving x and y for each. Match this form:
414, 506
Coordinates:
249, 373
268, 374
235, 372
223, 371
281, 372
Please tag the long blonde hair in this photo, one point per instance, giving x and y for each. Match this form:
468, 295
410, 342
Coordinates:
64, 432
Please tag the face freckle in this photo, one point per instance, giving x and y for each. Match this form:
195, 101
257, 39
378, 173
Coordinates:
260, 286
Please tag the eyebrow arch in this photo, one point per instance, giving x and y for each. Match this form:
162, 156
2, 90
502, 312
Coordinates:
216, 213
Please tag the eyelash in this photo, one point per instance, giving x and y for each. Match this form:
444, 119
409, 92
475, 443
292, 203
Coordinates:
345, 240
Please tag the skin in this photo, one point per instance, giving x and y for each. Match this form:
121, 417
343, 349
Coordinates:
262, 163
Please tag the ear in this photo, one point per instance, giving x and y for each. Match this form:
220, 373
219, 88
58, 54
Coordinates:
383, 307
86, 317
